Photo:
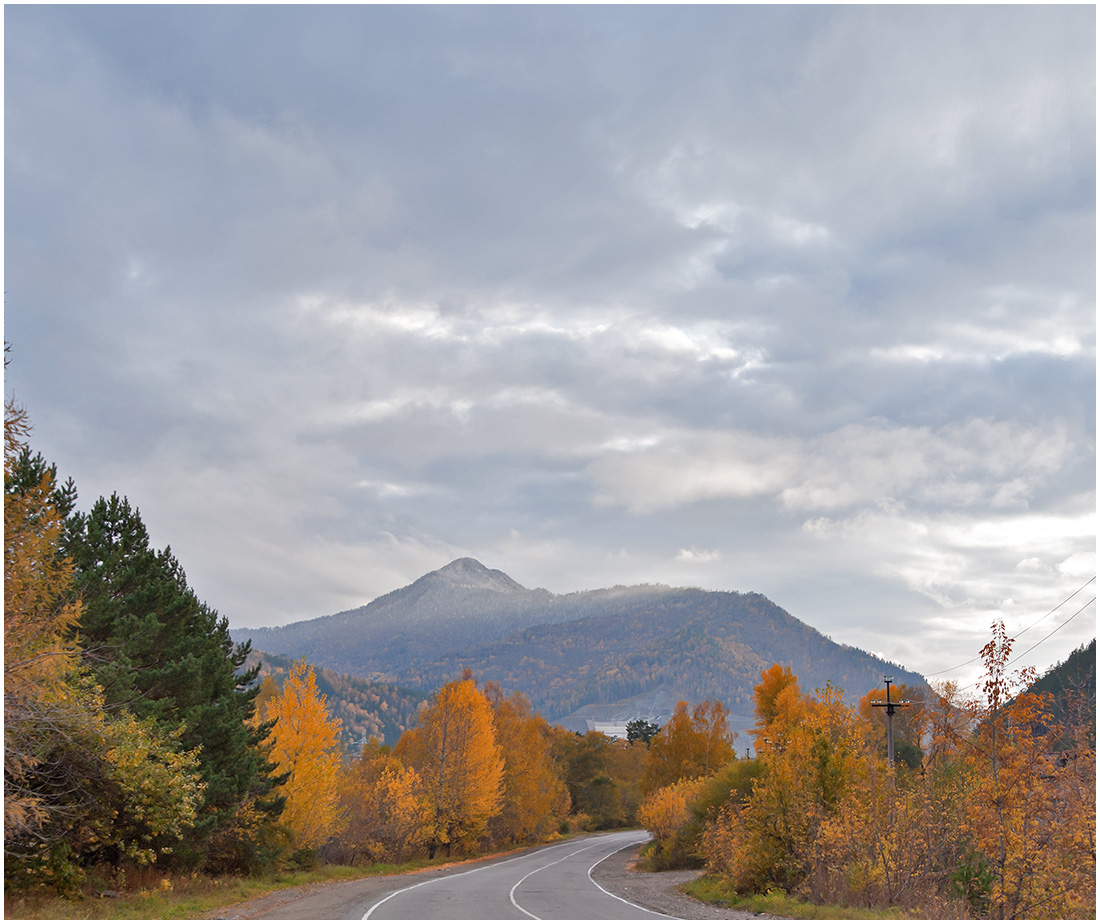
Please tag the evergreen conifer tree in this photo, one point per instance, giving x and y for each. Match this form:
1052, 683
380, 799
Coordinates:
163, 654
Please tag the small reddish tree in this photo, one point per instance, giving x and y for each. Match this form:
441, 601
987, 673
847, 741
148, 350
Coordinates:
1042, 856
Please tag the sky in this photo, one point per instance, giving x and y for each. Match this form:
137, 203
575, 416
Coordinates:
793, 300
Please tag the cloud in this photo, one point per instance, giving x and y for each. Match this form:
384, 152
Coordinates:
746, 297
700, 556
976, 463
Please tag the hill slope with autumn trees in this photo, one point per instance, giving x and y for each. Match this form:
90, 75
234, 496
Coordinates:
365, 708
566, 651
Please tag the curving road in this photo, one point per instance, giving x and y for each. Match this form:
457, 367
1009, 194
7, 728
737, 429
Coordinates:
551, 883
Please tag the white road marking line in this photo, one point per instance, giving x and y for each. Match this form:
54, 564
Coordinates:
512, 892
383, 901
619, 897
526, 856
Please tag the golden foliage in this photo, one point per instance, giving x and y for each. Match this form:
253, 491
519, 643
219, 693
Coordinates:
388, 814
910, 723
690, 745
779, 707
39, 616
665, 811
454, 749
534, 799
305, 744
77, 778
1042, 856
996, 822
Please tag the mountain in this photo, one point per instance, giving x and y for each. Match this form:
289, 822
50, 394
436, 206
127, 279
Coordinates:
1072, 686
568, 651
704, 644
447, 610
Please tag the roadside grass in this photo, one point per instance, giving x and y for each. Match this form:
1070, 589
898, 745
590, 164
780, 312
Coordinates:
711, 890
152, 895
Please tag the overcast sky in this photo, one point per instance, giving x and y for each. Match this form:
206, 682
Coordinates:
790, 300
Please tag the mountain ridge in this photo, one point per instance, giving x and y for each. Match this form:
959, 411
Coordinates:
566, 651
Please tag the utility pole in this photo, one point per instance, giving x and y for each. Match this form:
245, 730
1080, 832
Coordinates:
891, 707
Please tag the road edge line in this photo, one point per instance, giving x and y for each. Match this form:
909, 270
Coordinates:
619, 897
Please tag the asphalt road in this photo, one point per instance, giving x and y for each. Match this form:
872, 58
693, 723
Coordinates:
552, 883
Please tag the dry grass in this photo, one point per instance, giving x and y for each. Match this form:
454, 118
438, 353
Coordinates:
777, 902
150, 894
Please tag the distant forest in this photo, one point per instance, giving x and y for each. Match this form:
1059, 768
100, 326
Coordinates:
366, 709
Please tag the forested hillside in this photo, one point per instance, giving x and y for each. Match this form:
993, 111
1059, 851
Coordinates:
366, 709
566, 651
1071, 686
708, 645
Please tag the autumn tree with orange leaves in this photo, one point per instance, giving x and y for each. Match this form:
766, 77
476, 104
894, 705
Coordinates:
910, 722
779, 706
386, 808
39, 616
80, 782
694, 744
455, 752
534, 799
995, 822
1029, 820
806, 769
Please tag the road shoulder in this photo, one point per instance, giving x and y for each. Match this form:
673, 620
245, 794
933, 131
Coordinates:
659, 892
326, 901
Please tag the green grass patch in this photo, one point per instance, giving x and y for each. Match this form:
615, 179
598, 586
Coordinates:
712, 890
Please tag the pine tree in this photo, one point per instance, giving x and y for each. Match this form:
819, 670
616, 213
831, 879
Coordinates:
161, 653
81, 782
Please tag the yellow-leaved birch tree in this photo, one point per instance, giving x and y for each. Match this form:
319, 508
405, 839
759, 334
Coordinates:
306, 745
454, 749
535, 799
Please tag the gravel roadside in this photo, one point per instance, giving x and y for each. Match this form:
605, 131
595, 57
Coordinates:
658, 892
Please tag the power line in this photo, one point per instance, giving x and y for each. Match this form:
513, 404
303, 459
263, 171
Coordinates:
1052, 631
1038, 643
1021, 632
1059, 606
948, 670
